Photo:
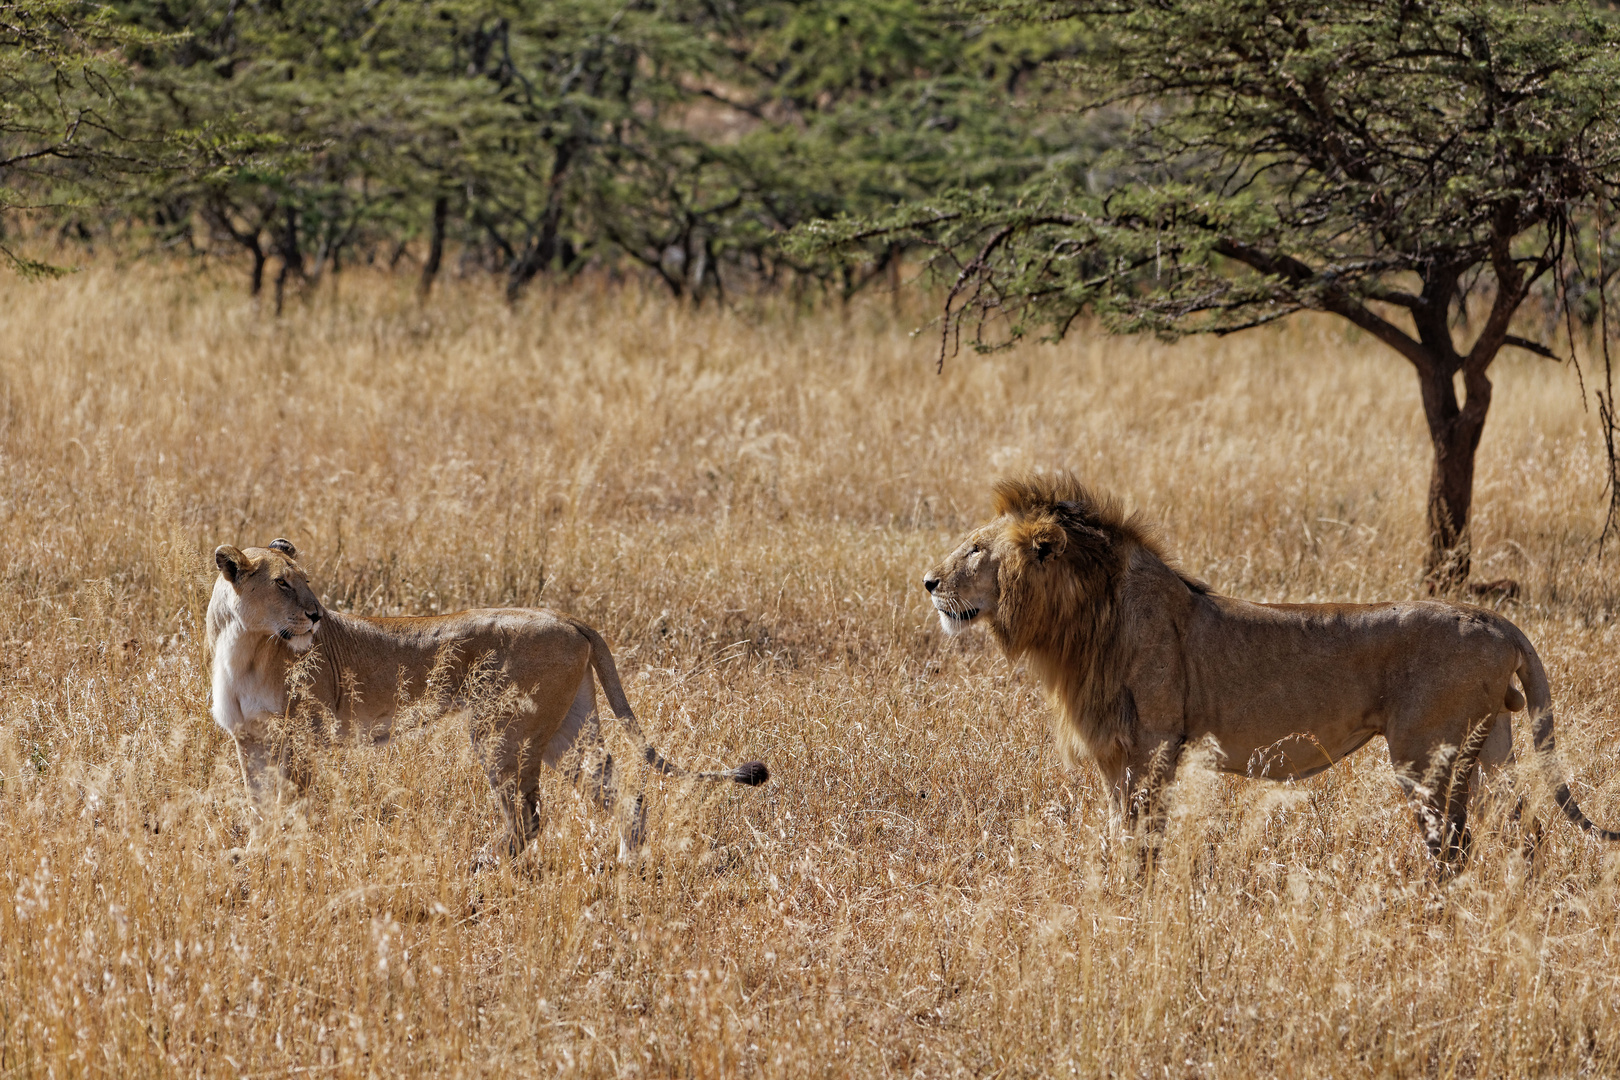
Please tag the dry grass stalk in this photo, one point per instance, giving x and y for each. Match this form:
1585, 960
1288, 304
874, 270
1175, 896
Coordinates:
744, 507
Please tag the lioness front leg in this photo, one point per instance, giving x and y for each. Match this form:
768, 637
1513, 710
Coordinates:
269, 771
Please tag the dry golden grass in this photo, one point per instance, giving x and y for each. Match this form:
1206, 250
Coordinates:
744, 507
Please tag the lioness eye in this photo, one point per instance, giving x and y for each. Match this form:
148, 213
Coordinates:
281, 583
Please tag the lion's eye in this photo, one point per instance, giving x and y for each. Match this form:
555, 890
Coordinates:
281, 583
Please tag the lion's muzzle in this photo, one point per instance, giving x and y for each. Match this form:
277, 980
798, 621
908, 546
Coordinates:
952, 618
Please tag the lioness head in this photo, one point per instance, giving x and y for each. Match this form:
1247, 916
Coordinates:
268, 592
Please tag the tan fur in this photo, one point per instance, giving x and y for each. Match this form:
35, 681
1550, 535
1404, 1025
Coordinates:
1140, 660
280, 661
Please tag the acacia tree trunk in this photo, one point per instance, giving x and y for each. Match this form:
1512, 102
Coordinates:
222, 215
1454, 428
292, 258
430, 269
548, 248
256, 284
1454, 433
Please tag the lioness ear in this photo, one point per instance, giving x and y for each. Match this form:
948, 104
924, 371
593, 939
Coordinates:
285, 547
229, 560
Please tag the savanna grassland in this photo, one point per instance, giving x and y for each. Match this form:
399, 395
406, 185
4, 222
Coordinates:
744, 504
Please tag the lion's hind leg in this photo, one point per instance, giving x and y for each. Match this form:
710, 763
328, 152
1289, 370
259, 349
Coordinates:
1494, 782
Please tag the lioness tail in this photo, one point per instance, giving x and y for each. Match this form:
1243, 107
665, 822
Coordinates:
752, 773
1534, 680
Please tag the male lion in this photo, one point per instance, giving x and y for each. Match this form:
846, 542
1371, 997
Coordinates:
1140, 659
524, 673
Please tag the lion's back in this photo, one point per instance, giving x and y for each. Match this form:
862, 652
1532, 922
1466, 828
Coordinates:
1294, 660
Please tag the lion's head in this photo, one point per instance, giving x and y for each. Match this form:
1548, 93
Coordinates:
1051, 552
267, 592
1047, 574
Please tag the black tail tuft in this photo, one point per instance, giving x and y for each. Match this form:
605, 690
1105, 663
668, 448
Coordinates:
752, 773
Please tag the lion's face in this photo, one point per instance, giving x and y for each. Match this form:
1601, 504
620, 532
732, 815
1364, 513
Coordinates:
996, 570
268, 592
966, 585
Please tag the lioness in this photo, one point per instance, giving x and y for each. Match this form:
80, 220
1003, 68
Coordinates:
1140, 659
525, 673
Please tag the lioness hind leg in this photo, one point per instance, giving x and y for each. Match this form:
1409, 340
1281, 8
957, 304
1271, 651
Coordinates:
576, 749
1493, 782
580, 753
511, 764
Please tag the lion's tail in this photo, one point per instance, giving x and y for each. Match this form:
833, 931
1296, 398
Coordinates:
751, 773
1539, 697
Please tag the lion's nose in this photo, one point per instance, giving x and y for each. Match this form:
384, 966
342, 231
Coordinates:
930, 583
315, 616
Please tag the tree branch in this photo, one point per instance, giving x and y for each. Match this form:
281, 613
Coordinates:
974, 268
1396, 296
1333, 299
1510, 289
1531, 346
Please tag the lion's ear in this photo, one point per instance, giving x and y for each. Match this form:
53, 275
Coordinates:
1045, 540
230, 561
284, 546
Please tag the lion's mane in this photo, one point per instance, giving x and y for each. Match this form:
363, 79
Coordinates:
1076, 630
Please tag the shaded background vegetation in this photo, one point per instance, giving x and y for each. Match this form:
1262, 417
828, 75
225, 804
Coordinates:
1441, 174
683, 137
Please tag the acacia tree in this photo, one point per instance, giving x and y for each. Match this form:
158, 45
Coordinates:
1416, 167
63, 123
531, 137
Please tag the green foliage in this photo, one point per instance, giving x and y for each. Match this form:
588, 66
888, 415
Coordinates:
1384, 160
536, 136
1289, 156
63, 121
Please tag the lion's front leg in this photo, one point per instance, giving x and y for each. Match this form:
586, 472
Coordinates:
1138, 777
